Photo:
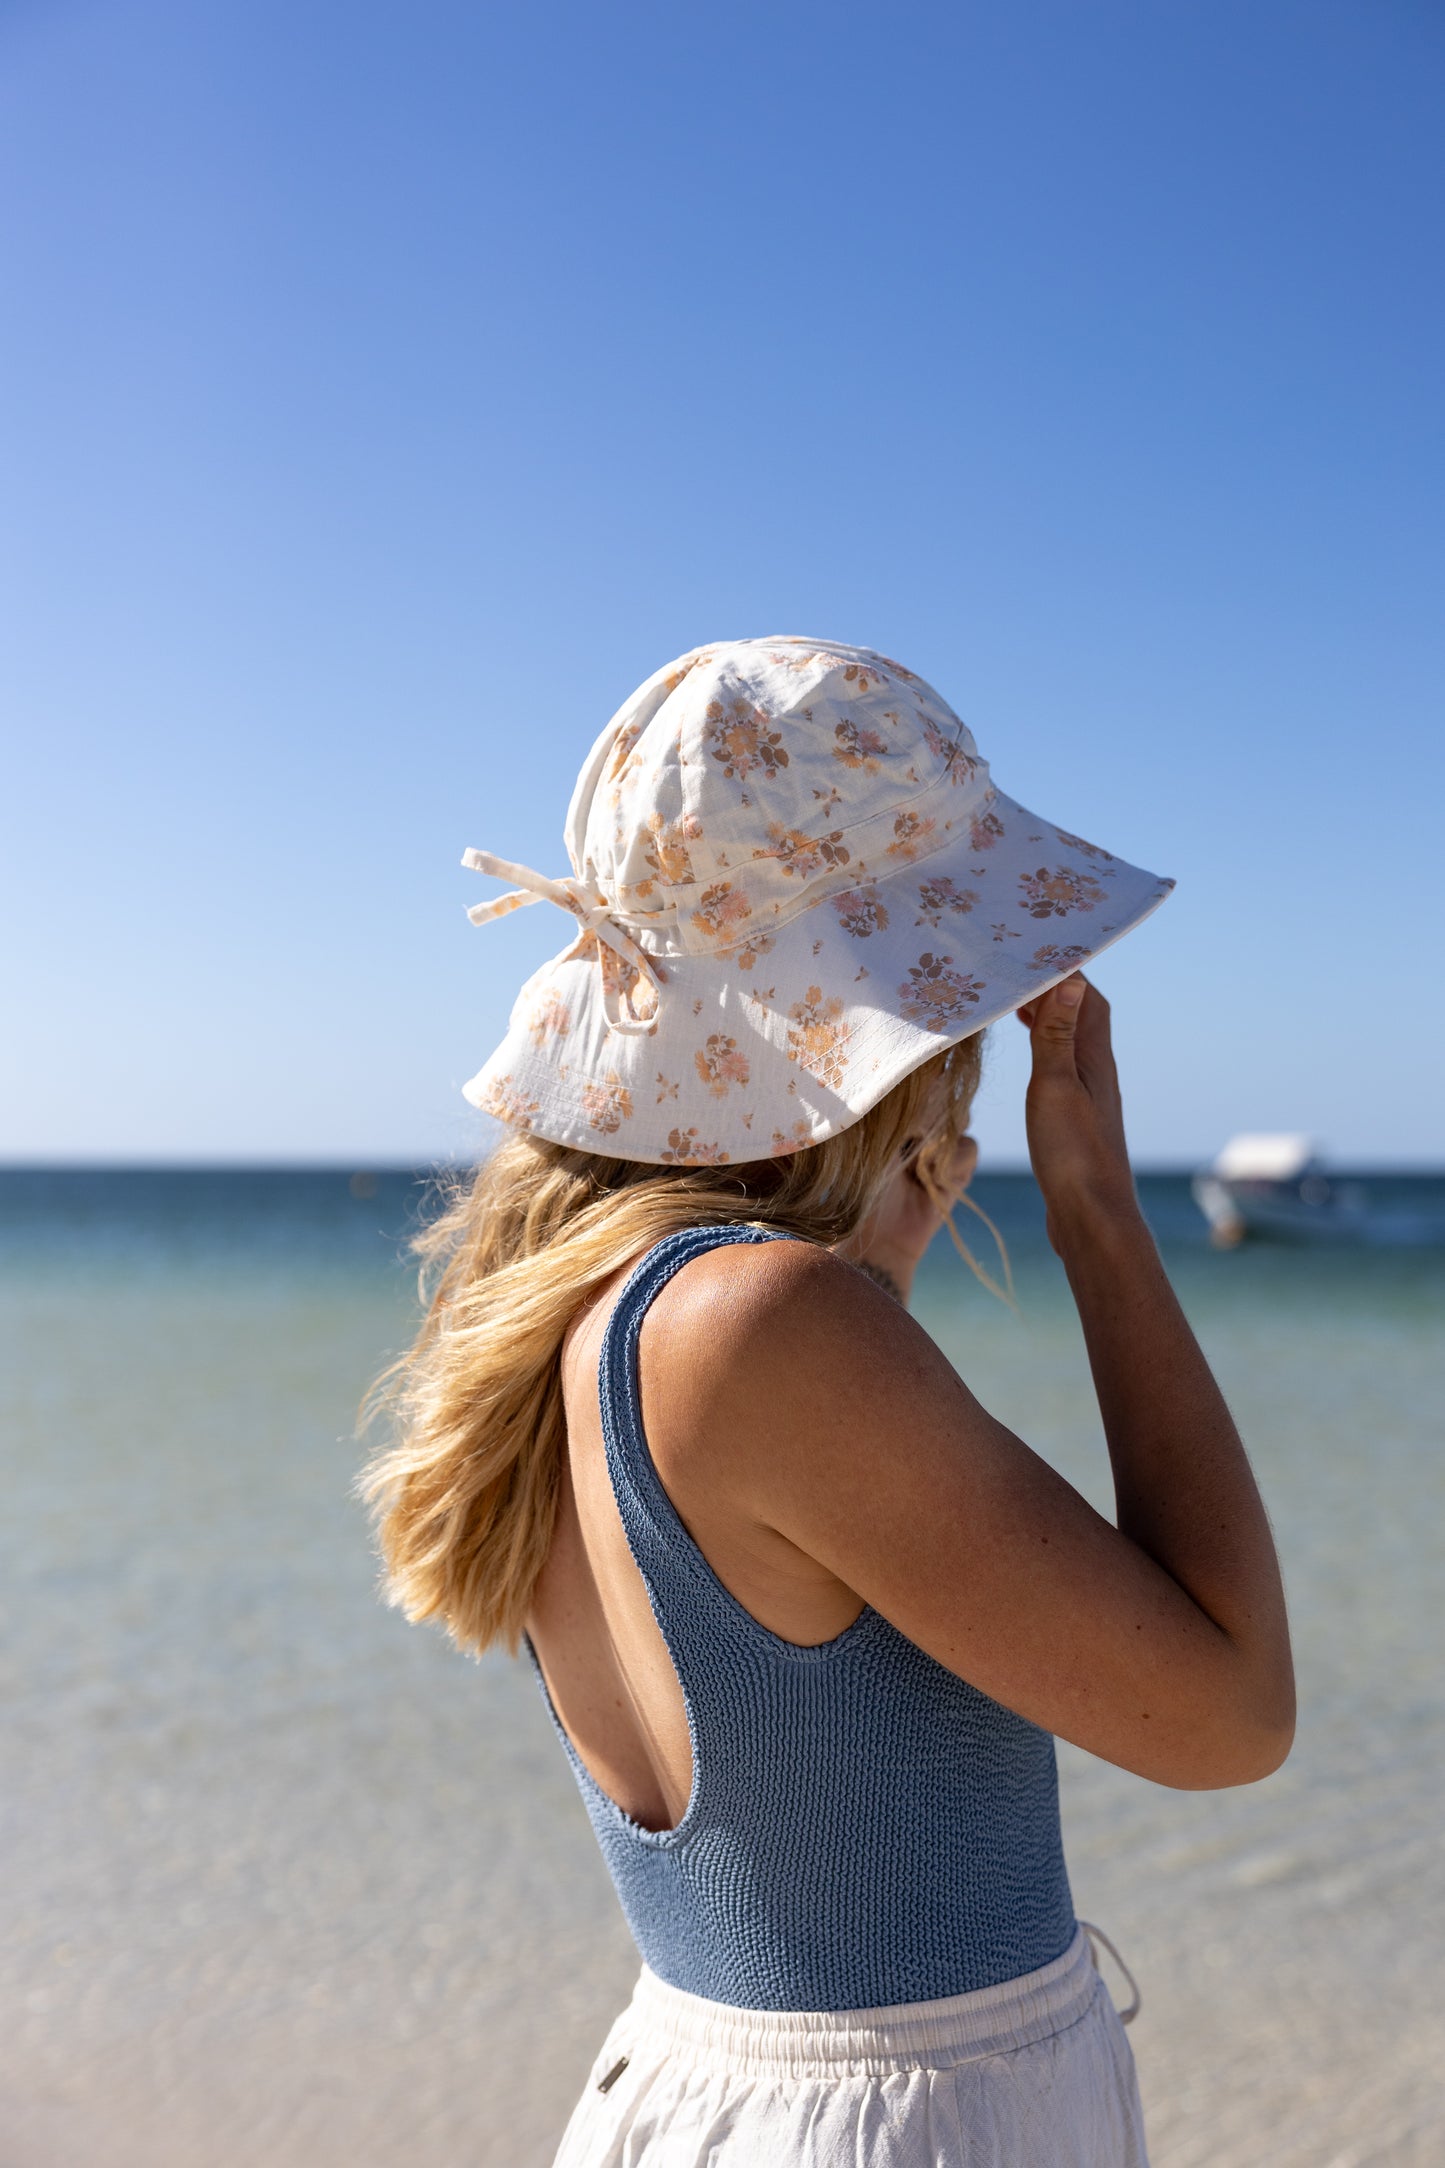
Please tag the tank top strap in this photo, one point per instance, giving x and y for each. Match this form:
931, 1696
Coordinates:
690, 1603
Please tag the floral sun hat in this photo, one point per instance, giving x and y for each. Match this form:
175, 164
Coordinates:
794, 882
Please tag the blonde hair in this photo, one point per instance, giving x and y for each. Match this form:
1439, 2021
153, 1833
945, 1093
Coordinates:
465, 1495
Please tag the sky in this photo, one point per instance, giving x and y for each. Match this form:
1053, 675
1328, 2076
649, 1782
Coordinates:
388, 391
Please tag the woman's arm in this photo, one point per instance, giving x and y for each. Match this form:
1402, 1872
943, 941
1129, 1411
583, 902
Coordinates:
812, 1405
1183, 1488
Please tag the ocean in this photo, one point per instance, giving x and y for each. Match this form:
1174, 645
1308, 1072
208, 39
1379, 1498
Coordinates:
288, 1881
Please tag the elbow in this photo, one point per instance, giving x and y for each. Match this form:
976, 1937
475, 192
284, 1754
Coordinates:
1254, 1730
1272, 1745
1241, 1761
1268, 1728
1251, 1747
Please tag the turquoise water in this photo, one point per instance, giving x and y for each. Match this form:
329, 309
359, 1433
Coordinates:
291, 1882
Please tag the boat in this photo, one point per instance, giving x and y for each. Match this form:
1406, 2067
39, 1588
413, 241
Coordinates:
1277, 1186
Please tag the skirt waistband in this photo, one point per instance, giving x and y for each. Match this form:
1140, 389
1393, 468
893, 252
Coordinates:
907, 2036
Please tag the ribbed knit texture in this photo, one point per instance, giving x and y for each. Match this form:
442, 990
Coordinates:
864, 1828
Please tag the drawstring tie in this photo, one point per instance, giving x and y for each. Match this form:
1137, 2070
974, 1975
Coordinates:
633, 962
1096, 1935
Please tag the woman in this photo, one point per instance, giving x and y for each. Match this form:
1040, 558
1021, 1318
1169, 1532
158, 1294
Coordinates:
806, 1617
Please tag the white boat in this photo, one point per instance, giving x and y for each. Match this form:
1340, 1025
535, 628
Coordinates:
1275, 1185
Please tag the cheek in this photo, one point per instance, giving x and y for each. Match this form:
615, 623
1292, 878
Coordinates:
965, 1161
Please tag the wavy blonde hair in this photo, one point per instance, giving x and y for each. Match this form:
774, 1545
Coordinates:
465, 1494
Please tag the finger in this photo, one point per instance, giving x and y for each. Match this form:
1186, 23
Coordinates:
1094, 1060
1094, 1016
1056, 1025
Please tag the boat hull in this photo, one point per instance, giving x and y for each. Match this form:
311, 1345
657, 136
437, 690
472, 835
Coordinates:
1314, 1210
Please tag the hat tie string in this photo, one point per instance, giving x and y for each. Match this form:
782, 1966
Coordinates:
595, 917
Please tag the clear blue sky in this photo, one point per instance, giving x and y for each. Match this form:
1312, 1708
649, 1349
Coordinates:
390, 389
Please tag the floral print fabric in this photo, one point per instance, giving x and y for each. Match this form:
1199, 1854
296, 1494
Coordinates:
794, 880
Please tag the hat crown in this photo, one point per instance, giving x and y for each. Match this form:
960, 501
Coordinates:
747, 780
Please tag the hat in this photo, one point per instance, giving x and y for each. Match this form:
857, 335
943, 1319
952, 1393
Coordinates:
794, 882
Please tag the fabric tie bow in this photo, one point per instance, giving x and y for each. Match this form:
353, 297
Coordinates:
620, 959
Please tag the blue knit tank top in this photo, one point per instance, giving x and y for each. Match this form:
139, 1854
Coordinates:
864, 1828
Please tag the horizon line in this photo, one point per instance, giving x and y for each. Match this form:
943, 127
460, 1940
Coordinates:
297, 1164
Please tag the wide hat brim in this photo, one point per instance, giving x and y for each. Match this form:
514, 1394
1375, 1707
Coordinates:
781, 1043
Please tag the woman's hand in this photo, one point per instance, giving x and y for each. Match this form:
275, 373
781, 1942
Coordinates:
1073, 1110
891, 1241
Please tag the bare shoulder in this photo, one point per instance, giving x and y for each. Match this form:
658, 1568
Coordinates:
754, 1323
773, 1302
775, 1346
749, 1278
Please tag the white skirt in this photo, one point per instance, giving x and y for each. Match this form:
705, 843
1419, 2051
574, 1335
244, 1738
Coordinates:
1036, 2073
